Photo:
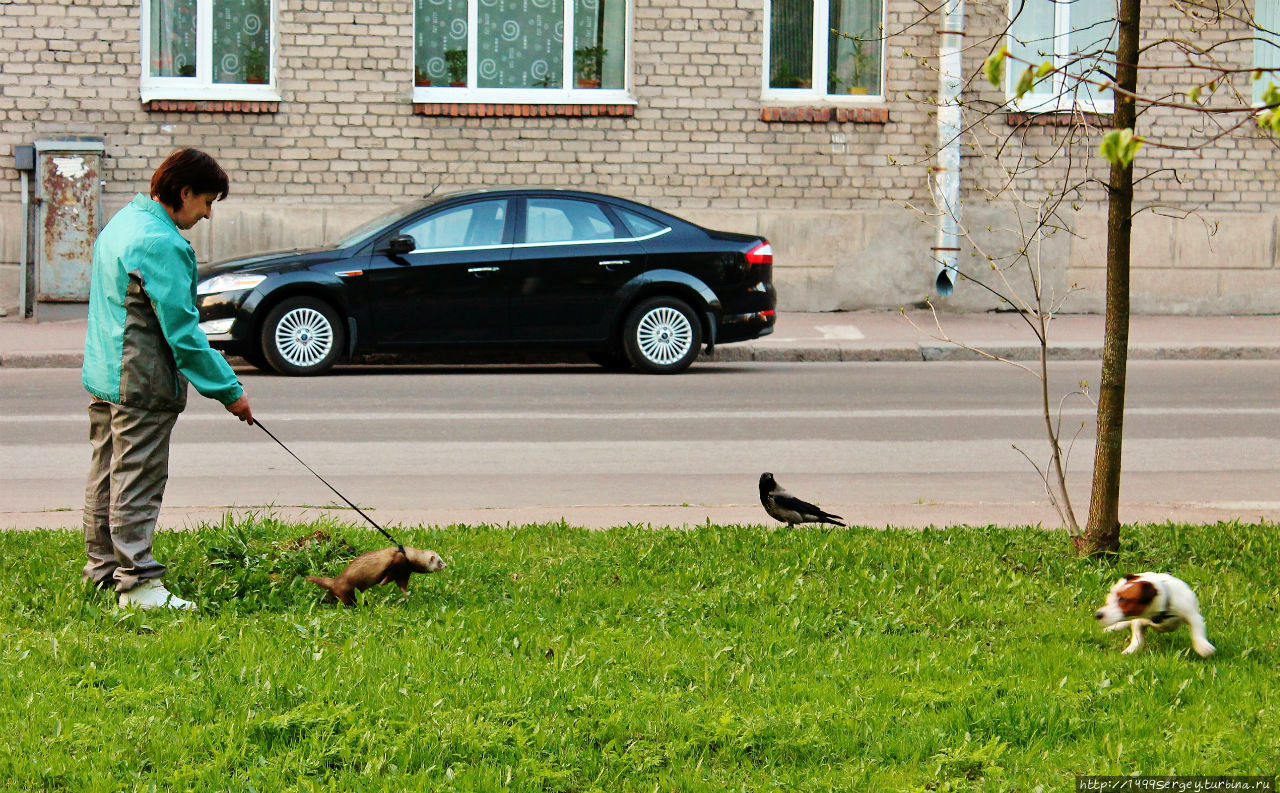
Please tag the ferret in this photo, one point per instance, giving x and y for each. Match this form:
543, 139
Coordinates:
379, 567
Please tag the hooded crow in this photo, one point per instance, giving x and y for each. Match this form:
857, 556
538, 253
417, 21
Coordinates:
785, 507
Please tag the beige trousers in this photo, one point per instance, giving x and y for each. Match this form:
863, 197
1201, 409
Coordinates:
128, 470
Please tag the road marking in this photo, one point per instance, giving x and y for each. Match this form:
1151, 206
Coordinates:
680, 415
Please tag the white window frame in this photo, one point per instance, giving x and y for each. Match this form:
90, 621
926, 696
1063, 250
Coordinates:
821, 39
202, 87
569, 95
1060, 99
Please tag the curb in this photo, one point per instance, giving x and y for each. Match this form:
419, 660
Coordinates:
748, 353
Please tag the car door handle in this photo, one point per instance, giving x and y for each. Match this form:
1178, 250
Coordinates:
482, 270
614, 262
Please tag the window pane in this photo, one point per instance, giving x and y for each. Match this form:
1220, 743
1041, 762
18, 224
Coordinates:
440, 42
854, 50
791, 44
599, 43
521, 44
480, 223
1092, 32
241, 41
173, 38
1030, 38
1266, 47
640, 226
561, 220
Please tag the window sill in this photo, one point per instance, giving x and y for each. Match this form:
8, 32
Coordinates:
1058, 118
209, 106
486, 110
823, 115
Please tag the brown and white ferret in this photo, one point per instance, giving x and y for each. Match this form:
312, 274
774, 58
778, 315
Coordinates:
378, 567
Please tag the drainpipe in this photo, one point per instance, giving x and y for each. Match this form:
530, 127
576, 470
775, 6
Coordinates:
946, 176
25, 160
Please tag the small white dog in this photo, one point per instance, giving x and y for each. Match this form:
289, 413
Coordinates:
1154, 600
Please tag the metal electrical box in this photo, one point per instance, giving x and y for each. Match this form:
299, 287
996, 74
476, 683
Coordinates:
68, 219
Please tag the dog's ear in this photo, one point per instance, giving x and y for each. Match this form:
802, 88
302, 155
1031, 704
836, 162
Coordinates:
1146, 592
1130, 576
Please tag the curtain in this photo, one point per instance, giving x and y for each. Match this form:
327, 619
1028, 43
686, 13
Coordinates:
440, 38
241, 41
791, 44
853, 52
521, 44
173, 38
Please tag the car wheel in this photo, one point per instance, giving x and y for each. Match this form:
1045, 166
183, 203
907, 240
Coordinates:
662, 336
302, 336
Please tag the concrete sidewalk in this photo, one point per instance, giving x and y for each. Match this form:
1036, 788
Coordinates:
856, 336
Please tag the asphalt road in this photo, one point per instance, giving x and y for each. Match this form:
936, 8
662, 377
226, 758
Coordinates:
892, 443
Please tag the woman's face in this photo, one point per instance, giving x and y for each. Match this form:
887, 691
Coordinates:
194, 207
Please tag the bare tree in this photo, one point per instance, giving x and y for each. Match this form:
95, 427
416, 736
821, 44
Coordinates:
1112, 64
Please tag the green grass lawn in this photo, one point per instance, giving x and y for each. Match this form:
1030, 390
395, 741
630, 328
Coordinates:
555, 658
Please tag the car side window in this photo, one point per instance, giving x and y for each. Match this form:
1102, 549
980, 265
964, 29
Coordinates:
477, 224
639, 225
566, 220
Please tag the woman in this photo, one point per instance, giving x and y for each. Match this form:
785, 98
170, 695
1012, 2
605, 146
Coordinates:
143, 345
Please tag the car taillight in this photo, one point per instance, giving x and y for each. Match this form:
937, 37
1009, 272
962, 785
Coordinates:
761, 254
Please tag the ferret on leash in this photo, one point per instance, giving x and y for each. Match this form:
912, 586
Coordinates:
378, 567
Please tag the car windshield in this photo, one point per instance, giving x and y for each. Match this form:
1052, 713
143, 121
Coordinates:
357, 235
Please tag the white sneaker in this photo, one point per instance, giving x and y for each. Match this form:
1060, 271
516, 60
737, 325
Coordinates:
152, 594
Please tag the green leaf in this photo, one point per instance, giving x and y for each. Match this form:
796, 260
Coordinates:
1271, 96
1025, 82
1044, 70
1120, 146
994, 66
1194, 95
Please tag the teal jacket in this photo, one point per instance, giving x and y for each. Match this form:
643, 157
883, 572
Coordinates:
144, 341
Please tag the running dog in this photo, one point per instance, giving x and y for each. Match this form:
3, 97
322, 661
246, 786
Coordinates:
1153, 600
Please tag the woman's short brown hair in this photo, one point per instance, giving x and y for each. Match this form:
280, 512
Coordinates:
187, 168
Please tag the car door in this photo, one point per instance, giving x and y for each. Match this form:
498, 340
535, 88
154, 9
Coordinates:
452, 287
571, 257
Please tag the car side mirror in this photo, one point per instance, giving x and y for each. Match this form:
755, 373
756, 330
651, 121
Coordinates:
399, 246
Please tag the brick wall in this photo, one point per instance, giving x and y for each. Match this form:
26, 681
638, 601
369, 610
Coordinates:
831, 187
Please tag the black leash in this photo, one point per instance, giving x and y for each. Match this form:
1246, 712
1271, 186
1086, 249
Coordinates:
398, 544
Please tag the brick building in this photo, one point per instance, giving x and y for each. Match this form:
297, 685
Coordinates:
748, 117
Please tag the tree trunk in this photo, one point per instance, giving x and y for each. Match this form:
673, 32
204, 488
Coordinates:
1102, 533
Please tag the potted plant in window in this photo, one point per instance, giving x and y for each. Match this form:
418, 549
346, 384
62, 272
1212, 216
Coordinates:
456, 61
864, 65
588, 63
786, 77
420, 76
255, 64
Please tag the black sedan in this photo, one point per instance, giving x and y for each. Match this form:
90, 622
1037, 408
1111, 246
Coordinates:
624, 282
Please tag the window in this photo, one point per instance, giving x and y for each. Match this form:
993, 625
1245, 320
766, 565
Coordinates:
208, 49
1266, 47
1074, 34
563, 220
518, 50
824, 49
639, 225
476, 225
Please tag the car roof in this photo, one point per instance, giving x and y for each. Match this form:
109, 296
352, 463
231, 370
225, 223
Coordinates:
558, 191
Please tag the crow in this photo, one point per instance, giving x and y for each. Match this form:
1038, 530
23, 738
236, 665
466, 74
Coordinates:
785, 507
